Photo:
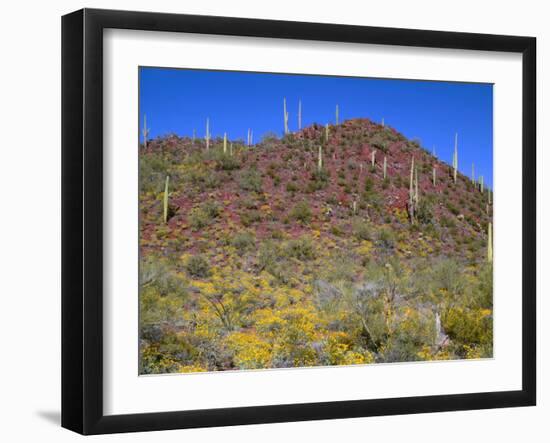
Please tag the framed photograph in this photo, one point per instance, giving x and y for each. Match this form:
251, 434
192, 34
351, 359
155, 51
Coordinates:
270, 221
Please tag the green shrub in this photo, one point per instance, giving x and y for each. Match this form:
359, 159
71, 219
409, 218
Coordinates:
198, 219
251, 180
198, 266
301, 248
369, 184
211, 208
386, 237
301, 212
361, 230
291, 187
250, 217
424, 212
243, 241
226, 162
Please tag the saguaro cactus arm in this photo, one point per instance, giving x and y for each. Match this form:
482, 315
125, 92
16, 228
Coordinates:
320, 159
225, 142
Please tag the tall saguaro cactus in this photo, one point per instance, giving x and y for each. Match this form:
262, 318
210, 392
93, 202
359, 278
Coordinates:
320, 159
411, 192
300, 114
145, 131
473, 174
385, 166
194, 135
285, 116
455, 158
207, 136
326, 133
416, 194
490, 242
337, 115
165, 200
433, 176
481, 183
225, 142
373, 157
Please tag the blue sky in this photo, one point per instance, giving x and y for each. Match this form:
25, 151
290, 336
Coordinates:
179, 100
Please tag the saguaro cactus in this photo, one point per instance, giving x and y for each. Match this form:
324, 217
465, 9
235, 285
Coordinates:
481, 183
411, 192
326, 133
433, 175
207, 136
473, 174
433, 150
320, 159
354, 207
455, 158
385, 166
225, 142
383, 123
489, 196
285, 116
300, 114
231, 149
373, 157
337, 115
490, 243
416, 194
145, 131
165, 200
194, 135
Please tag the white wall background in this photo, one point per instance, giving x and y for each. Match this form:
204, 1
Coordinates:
30, 219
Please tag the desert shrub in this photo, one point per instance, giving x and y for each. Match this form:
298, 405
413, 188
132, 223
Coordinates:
321, 176
291, 187
251, 180
301, 212
225, 162
447, 276
198, 266
386, 237
452, 208
243, 241
424, 212
369, 184
301, 248
198, 219
211, 208
250, 217
361, 229
468, 326
447, 222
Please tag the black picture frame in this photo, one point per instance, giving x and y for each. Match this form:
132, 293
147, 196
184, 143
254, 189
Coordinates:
82, 218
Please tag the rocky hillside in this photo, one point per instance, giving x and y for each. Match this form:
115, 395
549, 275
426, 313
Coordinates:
359, 239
